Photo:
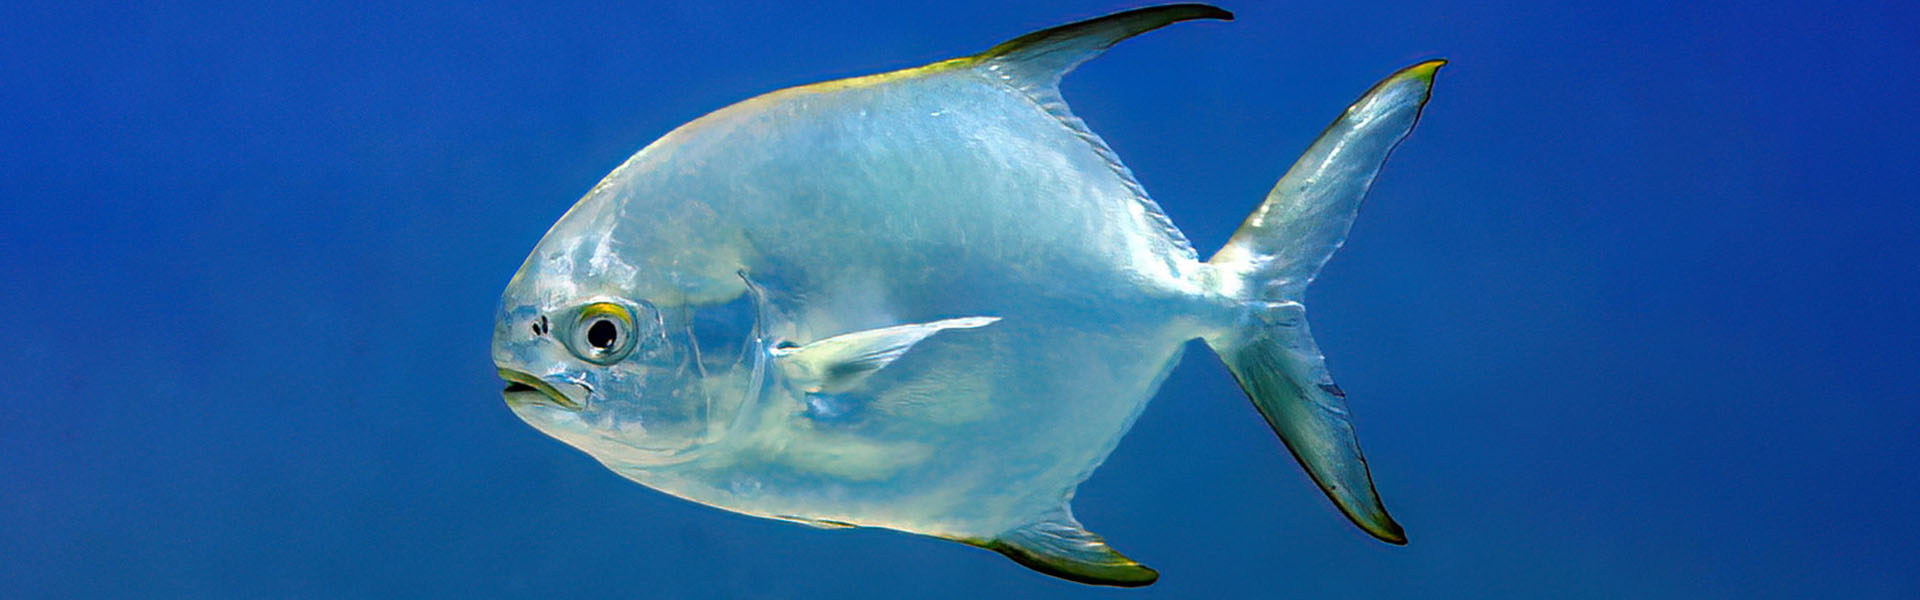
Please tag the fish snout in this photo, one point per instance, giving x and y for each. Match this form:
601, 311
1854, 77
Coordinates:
525, 389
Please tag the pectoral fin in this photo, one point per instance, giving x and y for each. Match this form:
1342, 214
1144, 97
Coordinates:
1060, 547
840, 362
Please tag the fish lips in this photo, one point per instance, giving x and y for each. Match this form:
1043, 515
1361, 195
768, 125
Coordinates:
526, 389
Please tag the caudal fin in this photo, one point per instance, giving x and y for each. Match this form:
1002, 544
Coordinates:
1267, 266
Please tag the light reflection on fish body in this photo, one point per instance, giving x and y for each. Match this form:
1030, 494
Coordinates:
929, 300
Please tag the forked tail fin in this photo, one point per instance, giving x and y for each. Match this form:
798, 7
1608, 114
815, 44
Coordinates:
1267, 266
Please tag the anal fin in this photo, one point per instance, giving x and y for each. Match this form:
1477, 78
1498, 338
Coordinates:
1059, 546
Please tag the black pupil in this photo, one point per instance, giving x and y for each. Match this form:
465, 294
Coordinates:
602, 334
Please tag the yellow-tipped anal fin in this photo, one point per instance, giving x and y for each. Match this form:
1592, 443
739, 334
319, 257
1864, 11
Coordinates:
1060, 547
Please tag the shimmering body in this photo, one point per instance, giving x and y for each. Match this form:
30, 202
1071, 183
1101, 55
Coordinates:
928, 300
859, 205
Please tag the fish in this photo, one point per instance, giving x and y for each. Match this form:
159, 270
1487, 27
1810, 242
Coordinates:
929, 300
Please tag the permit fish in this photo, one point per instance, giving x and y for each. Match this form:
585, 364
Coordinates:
930, 300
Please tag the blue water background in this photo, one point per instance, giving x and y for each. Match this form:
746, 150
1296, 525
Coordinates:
1632, 314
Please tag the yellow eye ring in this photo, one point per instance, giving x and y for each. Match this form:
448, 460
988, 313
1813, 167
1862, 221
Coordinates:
607, 308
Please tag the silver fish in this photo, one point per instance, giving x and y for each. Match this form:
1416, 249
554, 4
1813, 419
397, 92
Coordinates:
929, 300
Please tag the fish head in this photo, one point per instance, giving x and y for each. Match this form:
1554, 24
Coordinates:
600, 372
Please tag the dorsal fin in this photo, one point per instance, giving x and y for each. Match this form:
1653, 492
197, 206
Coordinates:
1032, 64
1043, 56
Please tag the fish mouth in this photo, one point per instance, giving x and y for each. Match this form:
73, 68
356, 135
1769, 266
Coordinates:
523, 388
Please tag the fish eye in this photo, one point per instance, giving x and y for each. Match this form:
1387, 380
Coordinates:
603, 334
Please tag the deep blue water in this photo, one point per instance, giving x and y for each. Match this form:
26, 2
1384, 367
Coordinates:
1632, 314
